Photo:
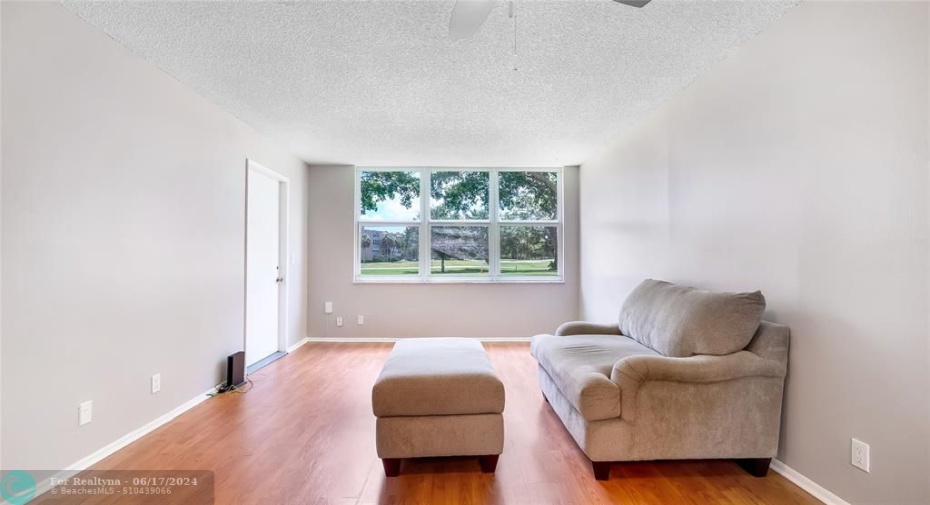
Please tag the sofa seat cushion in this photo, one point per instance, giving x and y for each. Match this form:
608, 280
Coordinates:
679, 321
580, 365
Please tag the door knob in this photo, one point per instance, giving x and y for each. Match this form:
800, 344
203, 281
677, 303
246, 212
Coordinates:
279, 279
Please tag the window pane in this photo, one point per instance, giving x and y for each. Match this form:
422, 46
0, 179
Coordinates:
528, 196
459, 195
459, 250
529, 250
390, 196
390, 250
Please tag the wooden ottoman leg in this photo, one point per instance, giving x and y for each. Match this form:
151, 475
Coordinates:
601, 470
489, 462
391, 467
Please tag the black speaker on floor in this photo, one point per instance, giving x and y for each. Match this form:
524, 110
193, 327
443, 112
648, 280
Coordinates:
235, 370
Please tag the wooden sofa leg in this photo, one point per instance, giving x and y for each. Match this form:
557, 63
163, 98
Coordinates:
488, 462
391, 467
757, 467
601, 470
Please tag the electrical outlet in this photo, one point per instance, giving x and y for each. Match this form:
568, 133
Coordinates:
361, 320
338, 321
328, 308
860, 455
85, 413
156, 383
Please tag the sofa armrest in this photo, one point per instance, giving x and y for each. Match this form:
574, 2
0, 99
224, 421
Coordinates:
586, 328
771, 342
632, 372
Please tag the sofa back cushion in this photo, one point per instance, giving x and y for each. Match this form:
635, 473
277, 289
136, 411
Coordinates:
679, 321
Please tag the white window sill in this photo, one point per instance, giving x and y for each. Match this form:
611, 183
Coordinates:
458, 280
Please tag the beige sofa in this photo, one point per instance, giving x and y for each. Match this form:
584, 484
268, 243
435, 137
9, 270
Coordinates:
685, 374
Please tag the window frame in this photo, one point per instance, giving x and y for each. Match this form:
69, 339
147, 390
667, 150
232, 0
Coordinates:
425, 224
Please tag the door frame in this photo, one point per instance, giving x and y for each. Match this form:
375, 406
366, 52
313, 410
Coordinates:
283, 193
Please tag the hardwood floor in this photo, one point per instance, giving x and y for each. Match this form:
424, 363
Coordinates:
305, 435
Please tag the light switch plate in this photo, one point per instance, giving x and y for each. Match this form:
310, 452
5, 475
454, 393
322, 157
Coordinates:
85, 413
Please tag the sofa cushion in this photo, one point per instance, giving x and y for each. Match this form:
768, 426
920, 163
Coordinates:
580, 365
679, 321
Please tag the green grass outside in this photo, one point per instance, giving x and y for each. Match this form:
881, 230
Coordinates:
526, 267
390, 268
460, 267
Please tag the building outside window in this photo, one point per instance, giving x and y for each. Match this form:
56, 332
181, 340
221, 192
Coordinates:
458, 225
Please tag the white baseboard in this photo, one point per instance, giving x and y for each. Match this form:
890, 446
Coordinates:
141, 432
360, 340
816, 490
370, 340
109, 449
297, 345
136, 434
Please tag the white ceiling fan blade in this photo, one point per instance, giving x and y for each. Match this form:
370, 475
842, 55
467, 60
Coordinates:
467, 17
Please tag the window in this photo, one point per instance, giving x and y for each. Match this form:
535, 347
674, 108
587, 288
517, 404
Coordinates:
458, 225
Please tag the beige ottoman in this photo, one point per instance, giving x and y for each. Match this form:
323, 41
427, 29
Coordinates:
438, 397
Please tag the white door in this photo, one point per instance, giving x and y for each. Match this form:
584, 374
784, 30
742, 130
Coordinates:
262, 269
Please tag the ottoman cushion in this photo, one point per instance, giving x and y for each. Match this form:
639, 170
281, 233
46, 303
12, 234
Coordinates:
437, 376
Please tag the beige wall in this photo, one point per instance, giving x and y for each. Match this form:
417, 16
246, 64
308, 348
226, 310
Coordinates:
123, 215
417, 310
800, 167
1, 245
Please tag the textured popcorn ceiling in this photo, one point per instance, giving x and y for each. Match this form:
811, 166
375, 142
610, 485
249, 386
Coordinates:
379, 83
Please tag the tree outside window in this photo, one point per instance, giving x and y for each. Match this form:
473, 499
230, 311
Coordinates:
484, 224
